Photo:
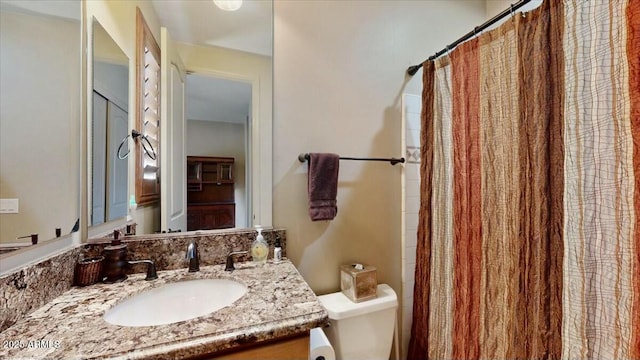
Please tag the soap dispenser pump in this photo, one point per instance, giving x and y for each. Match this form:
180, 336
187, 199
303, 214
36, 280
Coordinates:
115, 260
259, 248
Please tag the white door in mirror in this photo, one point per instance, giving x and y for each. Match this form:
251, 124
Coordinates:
175, 302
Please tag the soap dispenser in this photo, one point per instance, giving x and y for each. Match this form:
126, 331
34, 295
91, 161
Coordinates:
115, 260
259, 248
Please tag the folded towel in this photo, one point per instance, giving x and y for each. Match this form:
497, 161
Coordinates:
323, 186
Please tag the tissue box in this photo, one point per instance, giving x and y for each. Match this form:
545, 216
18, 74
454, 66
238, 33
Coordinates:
358, 282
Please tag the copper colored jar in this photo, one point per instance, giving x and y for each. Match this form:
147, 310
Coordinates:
115, 263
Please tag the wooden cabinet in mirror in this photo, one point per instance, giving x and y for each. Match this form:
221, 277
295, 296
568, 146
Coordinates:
147, 114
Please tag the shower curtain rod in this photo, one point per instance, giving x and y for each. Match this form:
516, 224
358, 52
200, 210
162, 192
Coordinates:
412, 70
393, 161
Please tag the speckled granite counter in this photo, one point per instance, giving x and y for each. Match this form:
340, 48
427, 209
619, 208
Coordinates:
27, 289
279, 303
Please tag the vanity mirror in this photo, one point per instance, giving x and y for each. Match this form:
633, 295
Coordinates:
42, 138
109, 128
40, 110
232, 48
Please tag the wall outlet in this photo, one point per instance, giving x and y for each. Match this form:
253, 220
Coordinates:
9, 206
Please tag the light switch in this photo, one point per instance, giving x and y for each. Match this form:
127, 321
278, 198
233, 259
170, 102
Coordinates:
9, 206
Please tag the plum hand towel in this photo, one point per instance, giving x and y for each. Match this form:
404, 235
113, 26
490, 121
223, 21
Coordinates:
323, 186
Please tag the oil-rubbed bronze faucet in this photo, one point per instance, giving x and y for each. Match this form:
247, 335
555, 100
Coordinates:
151, 268
193, 257
229, 266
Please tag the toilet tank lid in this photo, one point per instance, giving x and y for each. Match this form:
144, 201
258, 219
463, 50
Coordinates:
341, 307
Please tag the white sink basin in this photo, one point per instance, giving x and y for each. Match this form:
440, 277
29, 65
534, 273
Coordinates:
174, 302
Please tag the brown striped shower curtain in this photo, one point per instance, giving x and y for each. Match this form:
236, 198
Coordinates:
529, 235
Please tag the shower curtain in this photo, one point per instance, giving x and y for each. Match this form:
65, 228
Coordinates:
528, 239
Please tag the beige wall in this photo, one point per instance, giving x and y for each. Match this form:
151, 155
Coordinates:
210, 138
339, 72
39, 127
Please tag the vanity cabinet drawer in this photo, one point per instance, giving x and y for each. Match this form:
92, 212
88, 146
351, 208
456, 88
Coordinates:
296, 348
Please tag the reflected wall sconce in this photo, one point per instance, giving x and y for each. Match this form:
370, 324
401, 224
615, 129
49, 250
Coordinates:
228, 5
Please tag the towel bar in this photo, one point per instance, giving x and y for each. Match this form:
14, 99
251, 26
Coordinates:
393, 161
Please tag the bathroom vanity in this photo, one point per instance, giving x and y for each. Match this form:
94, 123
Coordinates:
273, 317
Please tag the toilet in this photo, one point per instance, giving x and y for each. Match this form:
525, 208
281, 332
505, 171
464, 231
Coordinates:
361, 330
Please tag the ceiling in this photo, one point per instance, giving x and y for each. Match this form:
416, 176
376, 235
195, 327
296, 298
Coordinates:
201, 22
215, 99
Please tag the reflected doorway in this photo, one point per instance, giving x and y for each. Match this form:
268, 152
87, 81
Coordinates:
218, 114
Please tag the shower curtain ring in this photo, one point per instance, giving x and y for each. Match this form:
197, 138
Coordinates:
512, 11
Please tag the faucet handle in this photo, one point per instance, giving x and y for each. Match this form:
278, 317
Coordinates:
229, 266
151, 271
34, 238
151, 268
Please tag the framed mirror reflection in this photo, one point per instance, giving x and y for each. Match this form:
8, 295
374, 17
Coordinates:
110, 142
40, 111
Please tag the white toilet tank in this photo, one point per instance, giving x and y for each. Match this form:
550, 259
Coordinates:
361, 330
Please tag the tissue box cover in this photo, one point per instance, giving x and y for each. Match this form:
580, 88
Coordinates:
358, 285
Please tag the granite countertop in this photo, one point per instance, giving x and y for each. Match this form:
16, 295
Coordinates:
279, 303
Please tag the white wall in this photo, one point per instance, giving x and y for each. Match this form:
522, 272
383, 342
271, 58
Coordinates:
208, 138
39, 126
412, 107
339, 72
